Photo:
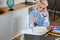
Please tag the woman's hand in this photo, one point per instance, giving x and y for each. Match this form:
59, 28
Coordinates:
33, 20
45, 9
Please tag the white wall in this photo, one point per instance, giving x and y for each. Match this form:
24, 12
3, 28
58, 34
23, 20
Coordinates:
12, 24
19, 1
16, 2
20, 17
5, 27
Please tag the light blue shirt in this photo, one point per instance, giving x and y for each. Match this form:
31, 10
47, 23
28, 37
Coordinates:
40, 20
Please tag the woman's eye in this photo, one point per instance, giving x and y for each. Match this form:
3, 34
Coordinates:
40, 7
43, 8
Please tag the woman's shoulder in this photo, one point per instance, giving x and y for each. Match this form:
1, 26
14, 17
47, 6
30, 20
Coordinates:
34, 11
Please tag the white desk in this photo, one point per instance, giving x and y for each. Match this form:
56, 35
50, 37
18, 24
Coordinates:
30, 32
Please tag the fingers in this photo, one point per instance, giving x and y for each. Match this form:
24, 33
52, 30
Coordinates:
33, 20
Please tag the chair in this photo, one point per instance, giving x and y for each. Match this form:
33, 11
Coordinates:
54, 8
27, 22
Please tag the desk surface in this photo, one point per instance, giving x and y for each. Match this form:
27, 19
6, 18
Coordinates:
35, 37
30, 35
30, 31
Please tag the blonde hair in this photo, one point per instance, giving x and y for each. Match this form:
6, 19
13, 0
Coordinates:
44, 2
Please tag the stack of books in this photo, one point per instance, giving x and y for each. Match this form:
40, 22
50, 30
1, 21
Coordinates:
56, 29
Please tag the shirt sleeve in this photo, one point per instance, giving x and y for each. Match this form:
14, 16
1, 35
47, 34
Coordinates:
31, 15
46, 20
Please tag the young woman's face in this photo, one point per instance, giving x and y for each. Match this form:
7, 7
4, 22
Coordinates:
41, 7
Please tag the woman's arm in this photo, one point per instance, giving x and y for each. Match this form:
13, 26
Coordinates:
46, 20
32, 18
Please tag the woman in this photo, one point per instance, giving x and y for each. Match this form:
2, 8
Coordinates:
39, 16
